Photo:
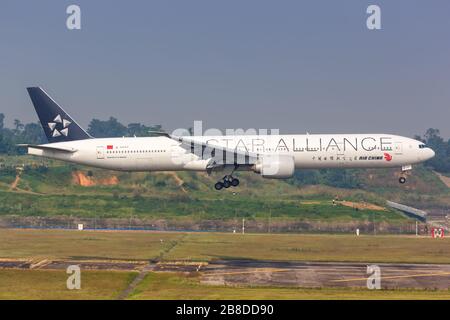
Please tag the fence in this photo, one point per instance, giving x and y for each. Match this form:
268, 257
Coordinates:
258, 225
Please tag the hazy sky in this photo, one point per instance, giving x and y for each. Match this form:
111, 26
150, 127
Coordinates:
295, 65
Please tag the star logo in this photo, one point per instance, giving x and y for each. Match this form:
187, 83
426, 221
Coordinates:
59, 126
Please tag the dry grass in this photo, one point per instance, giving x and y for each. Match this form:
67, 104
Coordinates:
72, 244
362, 205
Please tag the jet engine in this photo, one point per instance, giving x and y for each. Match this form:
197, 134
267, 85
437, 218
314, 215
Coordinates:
275, 166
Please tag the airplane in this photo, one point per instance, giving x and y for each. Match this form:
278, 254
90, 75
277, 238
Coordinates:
271, 156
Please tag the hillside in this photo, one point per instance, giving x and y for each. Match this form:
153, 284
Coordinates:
34, 187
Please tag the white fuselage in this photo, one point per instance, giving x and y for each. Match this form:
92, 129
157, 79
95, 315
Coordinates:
308, 151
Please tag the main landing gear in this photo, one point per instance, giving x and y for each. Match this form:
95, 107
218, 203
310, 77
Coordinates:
405, 171
227, 181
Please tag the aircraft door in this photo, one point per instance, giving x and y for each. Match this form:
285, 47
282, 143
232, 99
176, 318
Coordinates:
100, 152
340, 155
398, 148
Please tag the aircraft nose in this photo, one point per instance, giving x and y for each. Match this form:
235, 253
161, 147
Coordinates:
431, 153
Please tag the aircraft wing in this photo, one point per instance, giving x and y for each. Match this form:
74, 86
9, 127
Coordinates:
219, 155
48, 148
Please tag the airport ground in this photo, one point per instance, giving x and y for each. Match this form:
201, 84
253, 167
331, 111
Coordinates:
170, 265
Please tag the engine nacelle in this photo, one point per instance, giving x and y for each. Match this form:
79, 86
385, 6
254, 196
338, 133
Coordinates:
275, 166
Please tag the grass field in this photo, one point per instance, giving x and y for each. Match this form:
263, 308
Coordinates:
407, 249
178, 287
46, 284
61, 244
90, 245
71, 244
106, 285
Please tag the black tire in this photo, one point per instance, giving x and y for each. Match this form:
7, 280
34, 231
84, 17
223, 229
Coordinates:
235, 182
226, 184
218, 186
402, 180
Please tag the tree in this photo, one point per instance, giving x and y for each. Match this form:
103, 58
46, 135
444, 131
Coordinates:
306, 177
140, 130
18, 126
113, 128
340, 178
441, 161
33, 134
432, 134
2, 121
109, 128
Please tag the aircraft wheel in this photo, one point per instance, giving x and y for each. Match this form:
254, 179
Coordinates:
402, 180
218, 186
235, 182
226, 184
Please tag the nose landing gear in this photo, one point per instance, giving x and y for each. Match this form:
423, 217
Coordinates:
227, 181
402, 180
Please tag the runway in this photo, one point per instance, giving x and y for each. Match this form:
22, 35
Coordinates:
268, 273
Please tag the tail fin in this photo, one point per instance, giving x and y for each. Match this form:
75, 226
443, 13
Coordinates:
57, 124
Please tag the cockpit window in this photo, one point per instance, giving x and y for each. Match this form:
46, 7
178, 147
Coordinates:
422, 146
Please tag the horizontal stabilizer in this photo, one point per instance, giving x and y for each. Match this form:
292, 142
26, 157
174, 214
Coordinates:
48, 148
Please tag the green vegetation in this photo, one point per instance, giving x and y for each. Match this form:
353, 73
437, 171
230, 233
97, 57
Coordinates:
90, 245
141, 246
186, 201
401, 249
50, 188
29, 133
105, 285
441, 162
108, 206
178, 287
51, 285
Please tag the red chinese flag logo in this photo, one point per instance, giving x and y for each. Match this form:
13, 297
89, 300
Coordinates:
110, 147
